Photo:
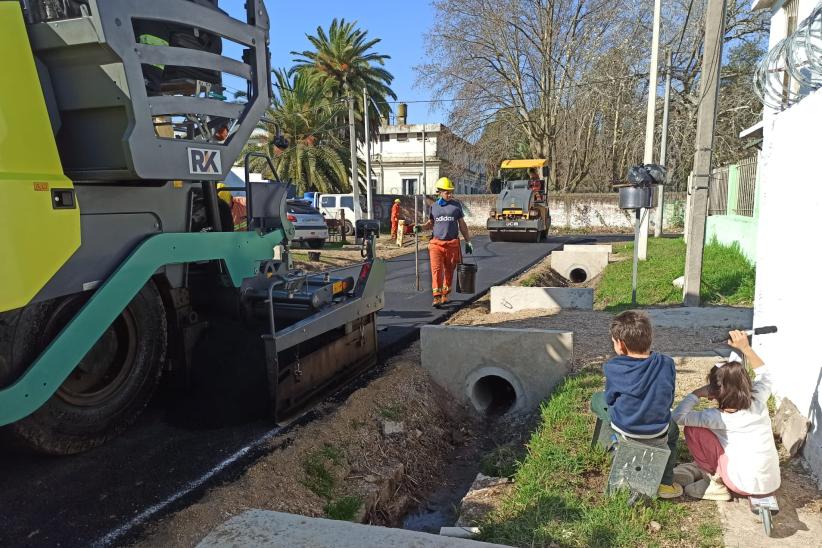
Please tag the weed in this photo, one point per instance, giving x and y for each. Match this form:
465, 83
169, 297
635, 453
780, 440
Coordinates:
500, 463
334, 454
344, 508
356, 424
318, 477
392, 412
710, 534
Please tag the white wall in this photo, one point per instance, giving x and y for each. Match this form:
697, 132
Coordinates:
788, 260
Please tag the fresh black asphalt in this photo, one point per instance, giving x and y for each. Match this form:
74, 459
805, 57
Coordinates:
77, 501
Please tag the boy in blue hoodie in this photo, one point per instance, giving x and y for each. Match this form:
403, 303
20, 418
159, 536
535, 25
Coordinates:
639, 391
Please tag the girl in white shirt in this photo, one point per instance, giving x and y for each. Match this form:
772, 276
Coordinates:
732, 444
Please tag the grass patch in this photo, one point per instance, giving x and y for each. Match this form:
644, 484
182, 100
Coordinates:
558, 496
318, 478
343, 508
727, 276
500, 463
710, 534
393, 412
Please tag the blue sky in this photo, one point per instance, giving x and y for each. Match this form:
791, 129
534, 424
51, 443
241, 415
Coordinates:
401, 26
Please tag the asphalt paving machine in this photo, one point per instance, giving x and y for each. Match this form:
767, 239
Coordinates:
521, 213
117, 263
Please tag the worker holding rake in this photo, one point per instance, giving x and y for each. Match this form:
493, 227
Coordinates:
447, 220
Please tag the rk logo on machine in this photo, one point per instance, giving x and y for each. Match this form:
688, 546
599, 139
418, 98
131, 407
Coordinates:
202, 161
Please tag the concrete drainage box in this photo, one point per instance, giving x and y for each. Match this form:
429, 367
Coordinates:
505, 298
579, 266
591, 248
497, 370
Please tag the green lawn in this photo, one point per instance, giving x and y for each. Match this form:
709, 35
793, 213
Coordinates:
727, 276
558, 495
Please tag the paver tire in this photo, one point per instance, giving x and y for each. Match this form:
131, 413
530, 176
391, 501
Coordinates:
106, 391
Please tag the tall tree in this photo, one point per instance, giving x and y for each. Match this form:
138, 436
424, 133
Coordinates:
569, 78
307, 151
345, 61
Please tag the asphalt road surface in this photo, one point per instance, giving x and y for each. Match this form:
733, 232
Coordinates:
167, 460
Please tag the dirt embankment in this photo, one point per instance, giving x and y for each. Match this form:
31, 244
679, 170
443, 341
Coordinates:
378, 453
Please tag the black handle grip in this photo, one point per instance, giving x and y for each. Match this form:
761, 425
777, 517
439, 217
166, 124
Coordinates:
757, 331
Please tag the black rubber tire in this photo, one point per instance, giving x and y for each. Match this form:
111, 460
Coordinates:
348, 228
62, 427
315, 244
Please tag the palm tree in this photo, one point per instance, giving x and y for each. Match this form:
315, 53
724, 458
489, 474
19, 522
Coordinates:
307, 151
343, 59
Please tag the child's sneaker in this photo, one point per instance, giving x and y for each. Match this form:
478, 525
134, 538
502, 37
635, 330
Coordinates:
437, 301
708, 489
669, 491
687, 473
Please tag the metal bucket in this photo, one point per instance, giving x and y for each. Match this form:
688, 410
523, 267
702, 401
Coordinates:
466, 278
636, 197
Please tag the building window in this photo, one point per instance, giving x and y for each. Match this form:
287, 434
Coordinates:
402, 137
420, 136
385, 137
409, 187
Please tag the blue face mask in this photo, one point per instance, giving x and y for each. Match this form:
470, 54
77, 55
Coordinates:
441, 202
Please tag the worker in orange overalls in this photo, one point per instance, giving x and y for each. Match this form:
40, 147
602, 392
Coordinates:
395, 218
448, 221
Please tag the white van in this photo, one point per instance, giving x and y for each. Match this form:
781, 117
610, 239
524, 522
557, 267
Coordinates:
331, 205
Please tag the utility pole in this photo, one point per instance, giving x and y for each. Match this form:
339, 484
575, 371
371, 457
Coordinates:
663, 147
650, 123
424, 165
352, 132
368, 198
705, 125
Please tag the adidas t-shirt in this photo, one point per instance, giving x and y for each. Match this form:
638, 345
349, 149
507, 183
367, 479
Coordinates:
445, 219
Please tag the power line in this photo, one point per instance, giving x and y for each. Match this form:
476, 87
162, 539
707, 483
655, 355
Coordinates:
590, 83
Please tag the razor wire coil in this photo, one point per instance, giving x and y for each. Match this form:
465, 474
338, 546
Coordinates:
792, 69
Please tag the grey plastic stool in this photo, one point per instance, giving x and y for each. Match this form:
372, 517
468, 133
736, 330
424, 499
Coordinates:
637, 465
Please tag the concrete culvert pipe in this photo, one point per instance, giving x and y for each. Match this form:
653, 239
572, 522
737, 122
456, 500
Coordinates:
493, 395
578, 275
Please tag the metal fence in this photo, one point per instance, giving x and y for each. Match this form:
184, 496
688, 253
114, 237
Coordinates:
746, 189
718, 191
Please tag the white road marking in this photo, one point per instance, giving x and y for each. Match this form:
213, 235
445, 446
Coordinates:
149, 512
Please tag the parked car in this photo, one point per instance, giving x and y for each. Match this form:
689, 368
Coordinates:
309, 224
331, 205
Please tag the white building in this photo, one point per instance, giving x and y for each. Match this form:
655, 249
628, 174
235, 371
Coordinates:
787, 260
398, 165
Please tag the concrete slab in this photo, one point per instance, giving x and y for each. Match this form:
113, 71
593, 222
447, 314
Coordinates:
506, 298
497, 369
597, 248
579, 266
732, 317
266, 529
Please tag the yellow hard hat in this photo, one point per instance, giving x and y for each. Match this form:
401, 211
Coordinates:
224, 195
444, 183
396, 200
